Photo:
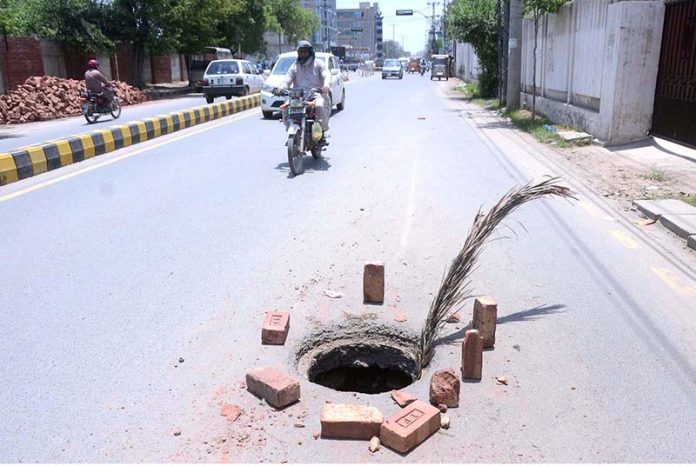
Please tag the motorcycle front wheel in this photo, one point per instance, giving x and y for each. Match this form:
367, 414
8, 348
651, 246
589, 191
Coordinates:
89, 113
115, 108
295, 154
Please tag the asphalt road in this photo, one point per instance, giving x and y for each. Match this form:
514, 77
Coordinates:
115, 268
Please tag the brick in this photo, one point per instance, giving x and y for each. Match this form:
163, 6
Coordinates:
275, 328
410, 427
472, 355
350, 421
274, 386
485, 317
402, 398
444, 388
373, 282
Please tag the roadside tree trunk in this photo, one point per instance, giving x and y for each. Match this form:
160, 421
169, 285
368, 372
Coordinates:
138, 65
534, 63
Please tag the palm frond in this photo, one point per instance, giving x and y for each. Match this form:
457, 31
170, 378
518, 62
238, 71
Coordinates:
455, 287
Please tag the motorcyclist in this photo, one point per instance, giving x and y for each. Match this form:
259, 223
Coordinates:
97, 83
306, 73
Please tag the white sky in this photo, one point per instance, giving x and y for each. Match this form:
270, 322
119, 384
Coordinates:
413, 29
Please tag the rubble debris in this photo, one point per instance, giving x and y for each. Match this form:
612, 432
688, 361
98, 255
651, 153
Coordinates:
43, 98
231, 412
485, 317
374, 444
271, 384
275, 328
402, 399
177, 432
444, 388
410, 427
373, 282
502, 380
350, 421
453, 318
333, 294
472, 355
442, 407
445, 421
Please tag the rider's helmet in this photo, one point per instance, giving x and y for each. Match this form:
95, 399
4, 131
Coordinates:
304, 45
93, 64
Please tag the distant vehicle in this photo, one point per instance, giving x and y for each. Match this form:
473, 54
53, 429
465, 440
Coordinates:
271, 103
230, 77
440, 67
392, 67
199, 62
404, 62
414, 65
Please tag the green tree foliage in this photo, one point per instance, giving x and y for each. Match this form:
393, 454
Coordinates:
475, 22
393, 49
79, 23
290, 18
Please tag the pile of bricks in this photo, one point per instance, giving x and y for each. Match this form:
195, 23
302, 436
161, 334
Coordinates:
46, 98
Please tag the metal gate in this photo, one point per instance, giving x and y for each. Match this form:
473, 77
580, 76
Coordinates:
674, 114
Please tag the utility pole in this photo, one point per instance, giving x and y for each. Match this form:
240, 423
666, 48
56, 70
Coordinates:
514, 71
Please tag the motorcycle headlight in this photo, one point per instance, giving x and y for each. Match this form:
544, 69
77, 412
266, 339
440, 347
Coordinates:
267, 88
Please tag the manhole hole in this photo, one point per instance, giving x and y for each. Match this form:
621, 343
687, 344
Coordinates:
365, 359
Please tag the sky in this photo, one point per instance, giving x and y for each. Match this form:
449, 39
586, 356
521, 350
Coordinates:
412, 30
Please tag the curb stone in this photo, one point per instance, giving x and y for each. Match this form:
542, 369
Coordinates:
677, 216
29, 161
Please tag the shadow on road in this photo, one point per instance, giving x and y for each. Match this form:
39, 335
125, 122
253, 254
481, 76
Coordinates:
310, 165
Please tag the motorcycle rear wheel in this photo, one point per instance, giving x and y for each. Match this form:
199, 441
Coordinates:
295, 155
115, 108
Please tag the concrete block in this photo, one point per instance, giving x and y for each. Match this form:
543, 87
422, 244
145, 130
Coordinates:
485, 317
472, 355
655, 209
410, 427
681, 225
275, 328
273, 385
373, 282
350, 421
444, 388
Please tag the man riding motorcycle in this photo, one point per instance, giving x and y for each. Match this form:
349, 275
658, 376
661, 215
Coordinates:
307, 73
96, 82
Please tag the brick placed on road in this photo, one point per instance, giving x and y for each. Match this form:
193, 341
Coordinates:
472, 355
275, 328
373, 282
350, 421
274, 386
410, 427
485, 318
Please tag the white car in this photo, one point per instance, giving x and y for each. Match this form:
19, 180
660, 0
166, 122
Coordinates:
392, 67
230, 77
271, 103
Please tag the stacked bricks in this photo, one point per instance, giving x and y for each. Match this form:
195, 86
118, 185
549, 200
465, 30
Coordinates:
373, 282
46, 98
274, 386
410, 427
275, 328
485, 316
472, 355
350, 421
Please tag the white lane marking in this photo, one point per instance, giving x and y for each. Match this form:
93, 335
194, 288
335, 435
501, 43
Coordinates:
130, 152
410, 209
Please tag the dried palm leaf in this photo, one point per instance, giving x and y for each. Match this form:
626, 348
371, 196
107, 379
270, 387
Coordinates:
455, 288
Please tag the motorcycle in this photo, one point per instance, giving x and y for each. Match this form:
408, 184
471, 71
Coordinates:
94, 106
304, 130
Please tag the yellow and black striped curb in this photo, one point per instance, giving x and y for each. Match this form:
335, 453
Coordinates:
39, 158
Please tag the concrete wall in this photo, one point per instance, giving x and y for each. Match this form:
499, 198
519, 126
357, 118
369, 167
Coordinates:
466, 62
596, 66
53, 58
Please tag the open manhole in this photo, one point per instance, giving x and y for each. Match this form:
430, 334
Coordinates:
365, 359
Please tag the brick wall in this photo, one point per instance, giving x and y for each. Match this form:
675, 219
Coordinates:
21, 58
161, 69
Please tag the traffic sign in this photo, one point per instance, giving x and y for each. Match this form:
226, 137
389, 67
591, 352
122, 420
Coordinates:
404, 12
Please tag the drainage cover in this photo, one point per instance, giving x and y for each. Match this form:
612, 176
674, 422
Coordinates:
374, 360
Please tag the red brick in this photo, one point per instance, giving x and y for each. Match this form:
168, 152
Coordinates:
402, 398
485, 317
273, 385
410, 427
444, 388
275, 328
373, 282
350, 421
472, 355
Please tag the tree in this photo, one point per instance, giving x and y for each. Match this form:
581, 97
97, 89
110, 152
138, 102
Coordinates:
242, 25
476, 22
290, 18
536, 8
393, 49
78, 23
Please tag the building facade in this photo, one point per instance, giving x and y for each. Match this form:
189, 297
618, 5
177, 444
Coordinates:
365, 44
325, 37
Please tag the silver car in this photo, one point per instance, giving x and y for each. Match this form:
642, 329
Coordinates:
392, 67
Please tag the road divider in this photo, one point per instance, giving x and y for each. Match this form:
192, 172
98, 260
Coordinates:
26, 162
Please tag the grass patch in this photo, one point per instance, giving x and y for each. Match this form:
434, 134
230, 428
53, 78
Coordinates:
690, 200
523, 120
472, 93
658, 175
